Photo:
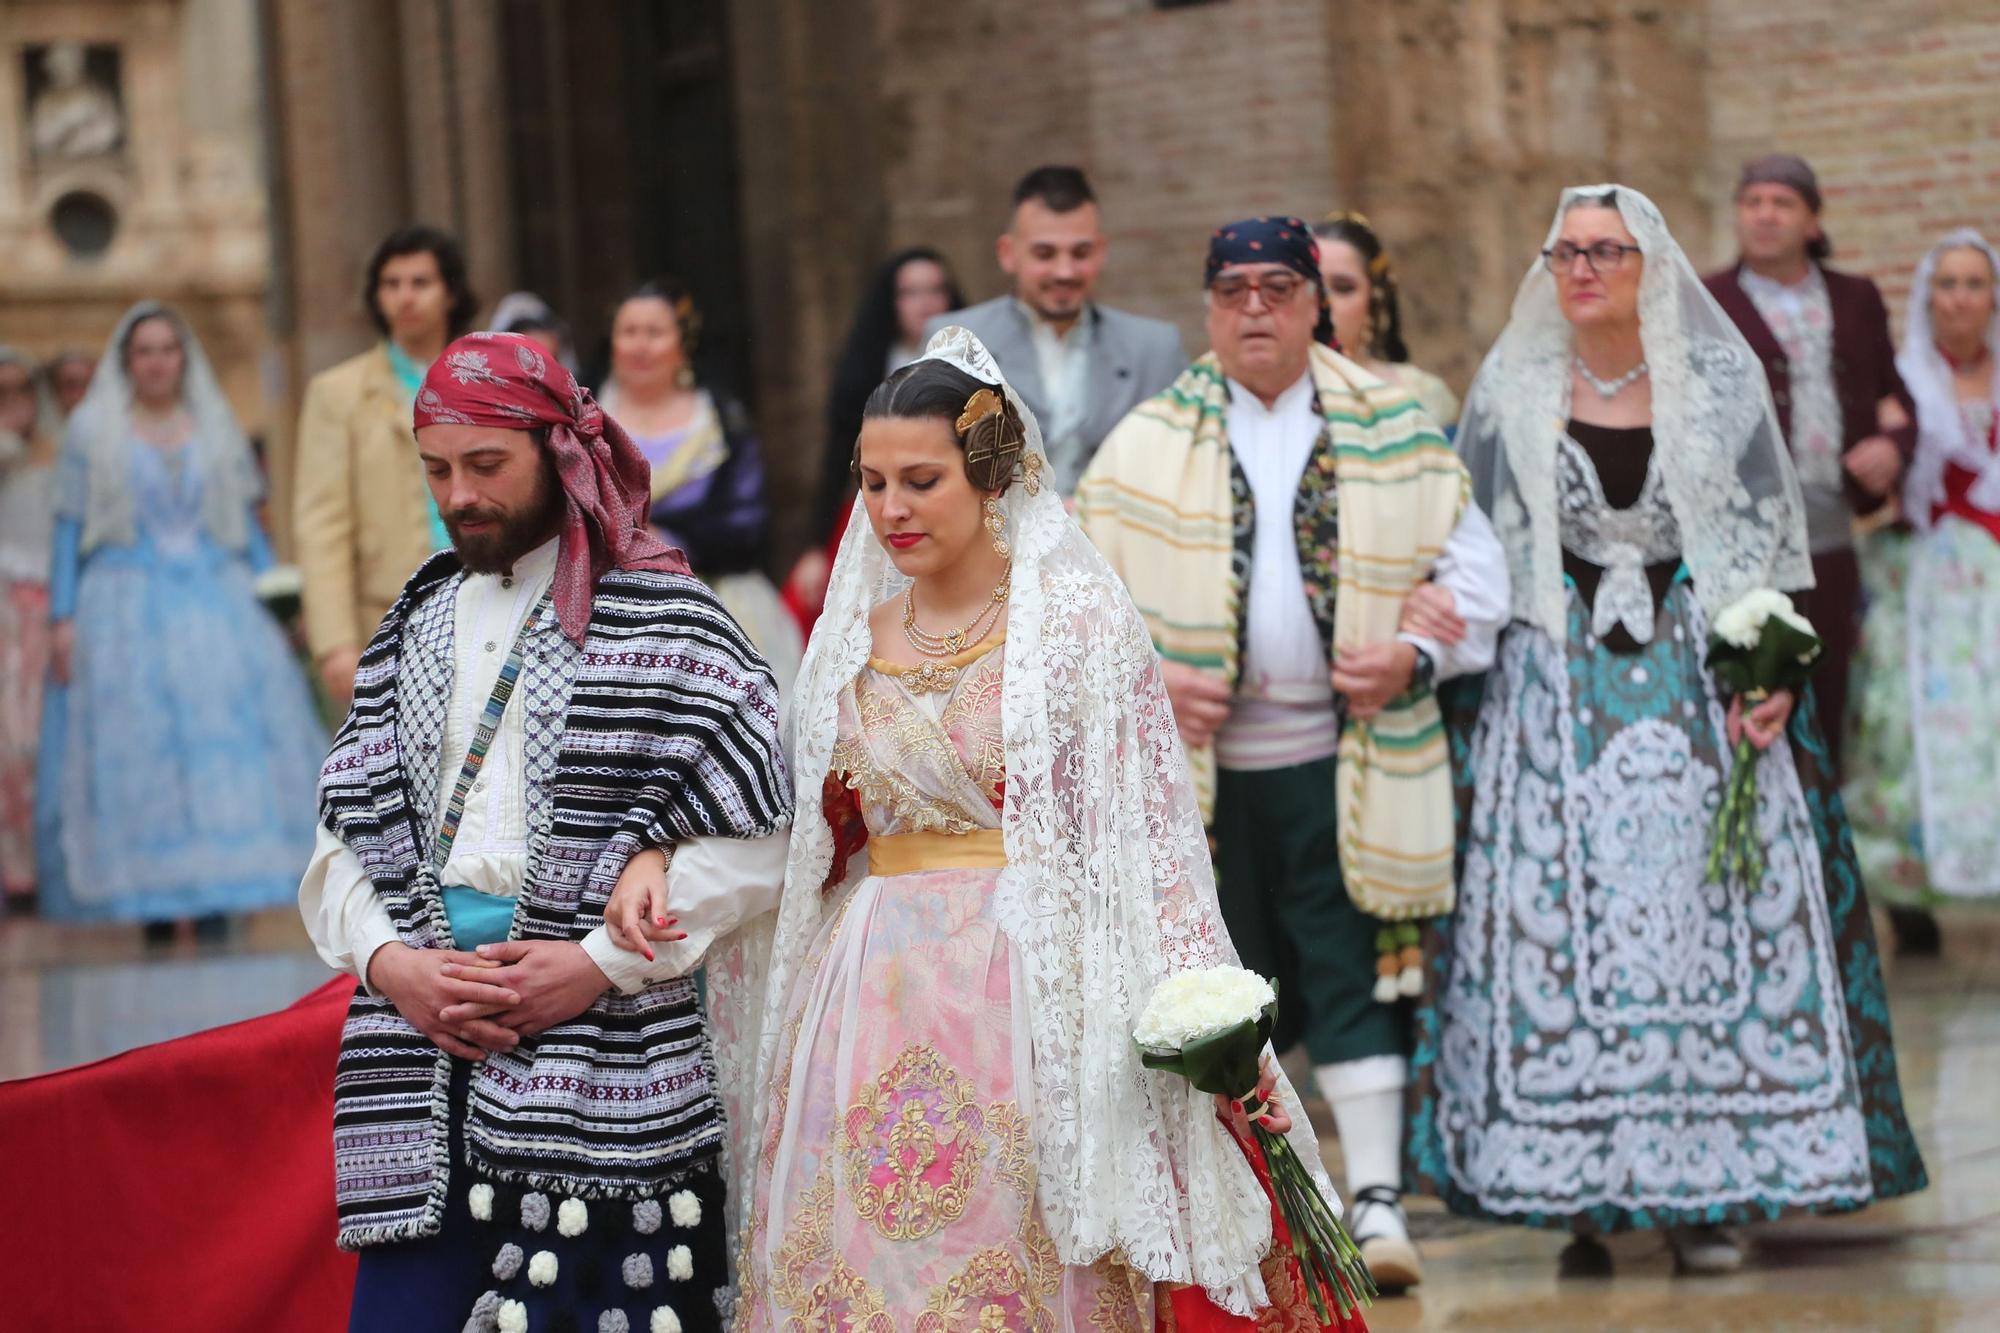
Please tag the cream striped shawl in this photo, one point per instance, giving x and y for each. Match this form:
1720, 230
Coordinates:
1158, 500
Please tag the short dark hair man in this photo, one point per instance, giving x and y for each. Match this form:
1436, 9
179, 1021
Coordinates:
1079, 365
391, 283
362, 519
1823, 337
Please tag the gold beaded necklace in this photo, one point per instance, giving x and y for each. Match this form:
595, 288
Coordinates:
950, 645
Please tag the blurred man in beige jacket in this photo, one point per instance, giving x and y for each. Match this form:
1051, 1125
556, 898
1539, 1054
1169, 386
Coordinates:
363, 515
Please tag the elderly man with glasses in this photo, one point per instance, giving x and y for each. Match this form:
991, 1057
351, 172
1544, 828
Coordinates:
1272, 511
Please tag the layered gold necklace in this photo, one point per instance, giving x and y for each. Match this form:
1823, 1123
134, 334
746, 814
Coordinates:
956, 642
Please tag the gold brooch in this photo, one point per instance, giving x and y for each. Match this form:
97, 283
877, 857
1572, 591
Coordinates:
930, 678
1029, 473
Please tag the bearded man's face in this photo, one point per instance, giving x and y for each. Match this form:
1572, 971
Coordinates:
497, 491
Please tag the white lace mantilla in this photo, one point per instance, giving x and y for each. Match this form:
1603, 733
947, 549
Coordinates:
1724, 468
1107, 891
1618, 1029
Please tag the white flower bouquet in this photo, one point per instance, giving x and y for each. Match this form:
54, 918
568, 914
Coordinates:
280, 588
1758, 645
1211, 1026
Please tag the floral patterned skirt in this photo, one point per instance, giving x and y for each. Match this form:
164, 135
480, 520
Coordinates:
1952, 709
895, 1188
1612, 1041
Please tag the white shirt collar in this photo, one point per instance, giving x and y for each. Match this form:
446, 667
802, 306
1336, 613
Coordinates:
536, 567
1755, 282
1036, 324
1289, 403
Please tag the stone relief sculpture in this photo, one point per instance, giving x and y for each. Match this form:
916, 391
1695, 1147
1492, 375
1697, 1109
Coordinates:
73, 115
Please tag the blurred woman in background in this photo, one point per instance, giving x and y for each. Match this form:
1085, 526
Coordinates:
708, 466
1926, 749
1368, 314
181, 748
29, 435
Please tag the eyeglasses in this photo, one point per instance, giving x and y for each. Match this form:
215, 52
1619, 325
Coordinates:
1277, 288
1602, 256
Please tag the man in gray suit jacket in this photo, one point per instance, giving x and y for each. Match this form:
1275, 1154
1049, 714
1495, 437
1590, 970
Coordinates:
1078, 365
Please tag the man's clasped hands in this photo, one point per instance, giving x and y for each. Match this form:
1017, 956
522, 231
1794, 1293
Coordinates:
473, 1003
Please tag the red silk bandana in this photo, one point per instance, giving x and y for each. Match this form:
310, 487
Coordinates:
507, 381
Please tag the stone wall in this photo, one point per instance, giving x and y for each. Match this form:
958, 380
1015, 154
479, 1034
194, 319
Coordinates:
1461, 121
1452, 123
274, 141
382, 112
1183, 118
1896, 104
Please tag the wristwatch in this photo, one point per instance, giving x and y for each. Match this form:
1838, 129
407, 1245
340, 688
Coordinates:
1424, 673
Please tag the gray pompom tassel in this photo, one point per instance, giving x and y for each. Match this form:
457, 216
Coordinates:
485, 1317
507, 1262
535, 1212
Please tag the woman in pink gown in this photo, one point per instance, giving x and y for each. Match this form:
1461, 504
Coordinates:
948, 1127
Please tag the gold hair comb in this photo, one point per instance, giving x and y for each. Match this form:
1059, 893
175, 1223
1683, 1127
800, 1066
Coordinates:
980, 406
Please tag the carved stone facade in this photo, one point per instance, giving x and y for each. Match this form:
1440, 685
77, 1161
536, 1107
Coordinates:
132, 165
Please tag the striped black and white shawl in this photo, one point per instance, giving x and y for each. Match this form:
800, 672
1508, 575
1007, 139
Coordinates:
662, 725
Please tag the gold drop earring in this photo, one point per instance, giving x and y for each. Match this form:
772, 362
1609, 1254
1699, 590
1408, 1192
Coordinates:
996, 526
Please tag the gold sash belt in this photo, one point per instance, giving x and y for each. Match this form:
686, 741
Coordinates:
913, 853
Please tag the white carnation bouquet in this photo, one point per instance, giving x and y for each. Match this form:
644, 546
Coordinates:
281, 589
1211, 1026
1758, 645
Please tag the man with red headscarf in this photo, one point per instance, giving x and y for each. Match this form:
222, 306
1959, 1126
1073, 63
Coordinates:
527, 1127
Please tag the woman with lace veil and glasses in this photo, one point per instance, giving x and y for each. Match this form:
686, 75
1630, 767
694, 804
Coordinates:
1616, 1041
948, 1116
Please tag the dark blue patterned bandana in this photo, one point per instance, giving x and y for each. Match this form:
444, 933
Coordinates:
1276, 240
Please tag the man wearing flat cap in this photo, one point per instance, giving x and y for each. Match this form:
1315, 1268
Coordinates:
1823, 337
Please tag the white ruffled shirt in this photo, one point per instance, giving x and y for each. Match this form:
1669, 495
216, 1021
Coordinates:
713, 884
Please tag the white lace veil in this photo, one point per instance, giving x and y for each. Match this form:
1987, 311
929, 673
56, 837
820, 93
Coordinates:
1943, 435
1727, 474
1107, 891
101, 427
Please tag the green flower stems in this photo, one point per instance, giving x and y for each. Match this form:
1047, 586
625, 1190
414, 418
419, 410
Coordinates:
1327, 1257
1230, 1063
1735, 851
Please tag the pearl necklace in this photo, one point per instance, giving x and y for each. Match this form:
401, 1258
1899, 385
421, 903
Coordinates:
1609, 389
950, 645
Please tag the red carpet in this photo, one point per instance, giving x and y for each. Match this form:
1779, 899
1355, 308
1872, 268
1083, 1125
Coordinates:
183, 1186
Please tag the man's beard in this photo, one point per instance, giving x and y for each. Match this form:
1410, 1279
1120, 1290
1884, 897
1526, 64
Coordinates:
513, 535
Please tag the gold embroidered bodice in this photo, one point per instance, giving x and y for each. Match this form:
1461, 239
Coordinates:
921, 745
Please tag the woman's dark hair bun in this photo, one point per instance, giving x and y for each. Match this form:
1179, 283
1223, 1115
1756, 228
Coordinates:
985, 422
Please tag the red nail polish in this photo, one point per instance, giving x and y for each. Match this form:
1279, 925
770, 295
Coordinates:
659, 921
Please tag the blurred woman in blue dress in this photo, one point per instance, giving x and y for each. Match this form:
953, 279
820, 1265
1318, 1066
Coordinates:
180, 746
